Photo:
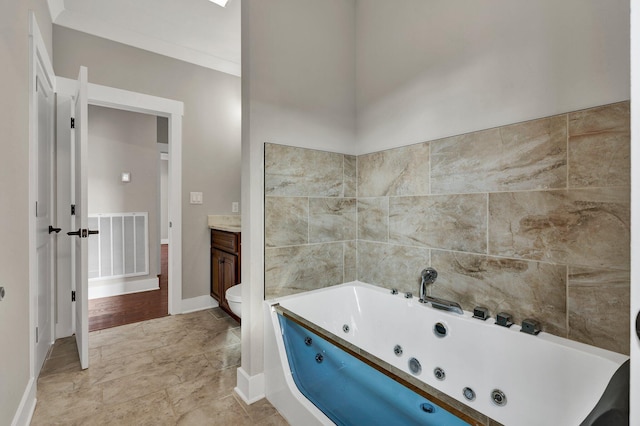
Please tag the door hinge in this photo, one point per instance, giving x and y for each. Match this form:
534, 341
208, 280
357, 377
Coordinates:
36, 334
36, 209
73, 123
73, 209
73, 296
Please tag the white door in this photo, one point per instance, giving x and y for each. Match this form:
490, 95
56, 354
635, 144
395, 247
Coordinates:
44, 218
81, 234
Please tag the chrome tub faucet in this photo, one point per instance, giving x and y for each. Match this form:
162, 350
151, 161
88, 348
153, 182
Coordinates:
429, 276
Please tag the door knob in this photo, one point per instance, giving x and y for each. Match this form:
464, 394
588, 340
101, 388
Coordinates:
638, 325
52, 229
76, 233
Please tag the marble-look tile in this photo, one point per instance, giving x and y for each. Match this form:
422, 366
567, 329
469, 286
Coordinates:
139, 384
258, 410
599, 306
120, 367
373, 219
77, 397
226, 357
63, 382
522, 288
332, 219
350, 261
300, 172
60, 364
391, 266
350, 176
286, 221
290, 270
399, 171
588, 227
110, 337
202, 391
599, 146
150, 410
530, 155
67, 407
225, 411
454, 222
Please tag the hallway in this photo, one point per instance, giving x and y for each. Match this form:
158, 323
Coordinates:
113, 311
175, 370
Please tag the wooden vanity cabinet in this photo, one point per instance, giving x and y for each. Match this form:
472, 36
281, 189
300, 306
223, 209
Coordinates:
225, 265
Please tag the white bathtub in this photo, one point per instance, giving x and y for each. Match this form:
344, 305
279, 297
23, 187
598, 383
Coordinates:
547, 380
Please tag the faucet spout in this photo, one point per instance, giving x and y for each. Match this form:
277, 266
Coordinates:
445, 305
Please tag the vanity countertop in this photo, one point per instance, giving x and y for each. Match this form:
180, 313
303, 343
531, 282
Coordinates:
229, 223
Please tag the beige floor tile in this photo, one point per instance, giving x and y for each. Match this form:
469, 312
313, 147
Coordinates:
190, 395
224, 357
224, 411
150, 410
173, 370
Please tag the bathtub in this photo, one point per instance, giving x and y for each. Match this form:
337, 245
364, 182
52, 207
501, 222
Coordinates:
513, 378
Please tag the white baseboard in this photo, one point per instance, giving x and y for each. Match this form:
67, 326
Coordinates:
249, 388
164, 241
27, 405
117, 288
198, 304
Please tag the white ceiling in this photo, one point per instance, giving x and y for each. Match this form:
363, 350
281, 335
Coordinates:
196, 31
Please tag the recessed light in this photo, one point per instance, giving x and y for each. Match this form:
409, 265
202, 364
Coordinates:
222, 3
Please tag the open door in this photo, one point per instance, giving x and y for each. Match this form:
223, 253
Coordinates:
79, 191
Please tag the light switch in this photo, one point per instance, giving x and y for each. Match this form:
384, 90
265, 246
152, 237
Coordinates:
196, 198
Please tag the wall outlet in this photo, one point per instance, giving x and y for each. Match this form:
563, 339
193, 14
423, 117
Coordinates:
235, 207
195, 198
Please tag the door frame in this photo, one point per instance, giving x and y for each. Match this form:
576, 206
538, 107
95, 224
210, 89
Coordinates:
38, 57
110, 97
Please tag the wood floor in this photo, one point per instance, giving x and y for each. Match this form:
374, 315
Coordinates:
113, 311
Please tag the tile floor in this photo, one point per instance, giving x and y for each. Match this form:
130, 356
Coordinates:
177, 370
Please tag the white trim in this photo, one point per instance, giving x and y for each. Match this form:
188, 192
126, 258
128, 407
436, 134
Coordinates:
164, 241
249, 388
137, 102
634, 392
38, 57
27, 405
90, 25
117, 287
199, 303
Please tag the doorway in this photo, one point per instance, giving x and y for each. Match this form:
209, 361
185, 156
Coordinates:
172, 110
126, 281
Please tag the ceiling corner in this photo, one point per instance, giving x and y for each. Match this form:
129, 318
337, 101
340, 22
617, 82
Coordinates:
56, 7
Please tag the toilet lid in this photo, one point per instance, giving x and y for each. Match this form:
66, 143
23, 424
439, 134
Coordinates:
234, 294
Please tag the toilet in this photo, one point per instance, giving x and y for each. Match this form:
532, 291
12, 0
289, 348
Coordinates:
234, 299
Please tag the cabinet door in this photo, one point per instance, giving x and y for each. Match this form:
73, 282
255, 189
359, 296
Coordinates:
228, 276
216, 271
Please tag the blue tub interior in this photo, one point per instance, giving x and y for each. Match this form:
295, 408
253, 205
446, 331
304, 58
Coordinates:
350, 392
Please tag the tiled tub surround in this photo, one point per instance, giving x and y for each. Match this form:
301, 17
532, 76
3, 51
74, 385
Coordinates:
531, 218
310, 219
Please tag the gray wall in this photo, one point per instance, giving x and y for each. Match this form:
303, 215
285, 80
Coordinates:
14, 207
428, 69
211, 129
125, 141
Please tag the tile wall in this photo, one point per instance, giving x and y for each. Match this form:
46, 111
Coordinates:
310, 219
531, 218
